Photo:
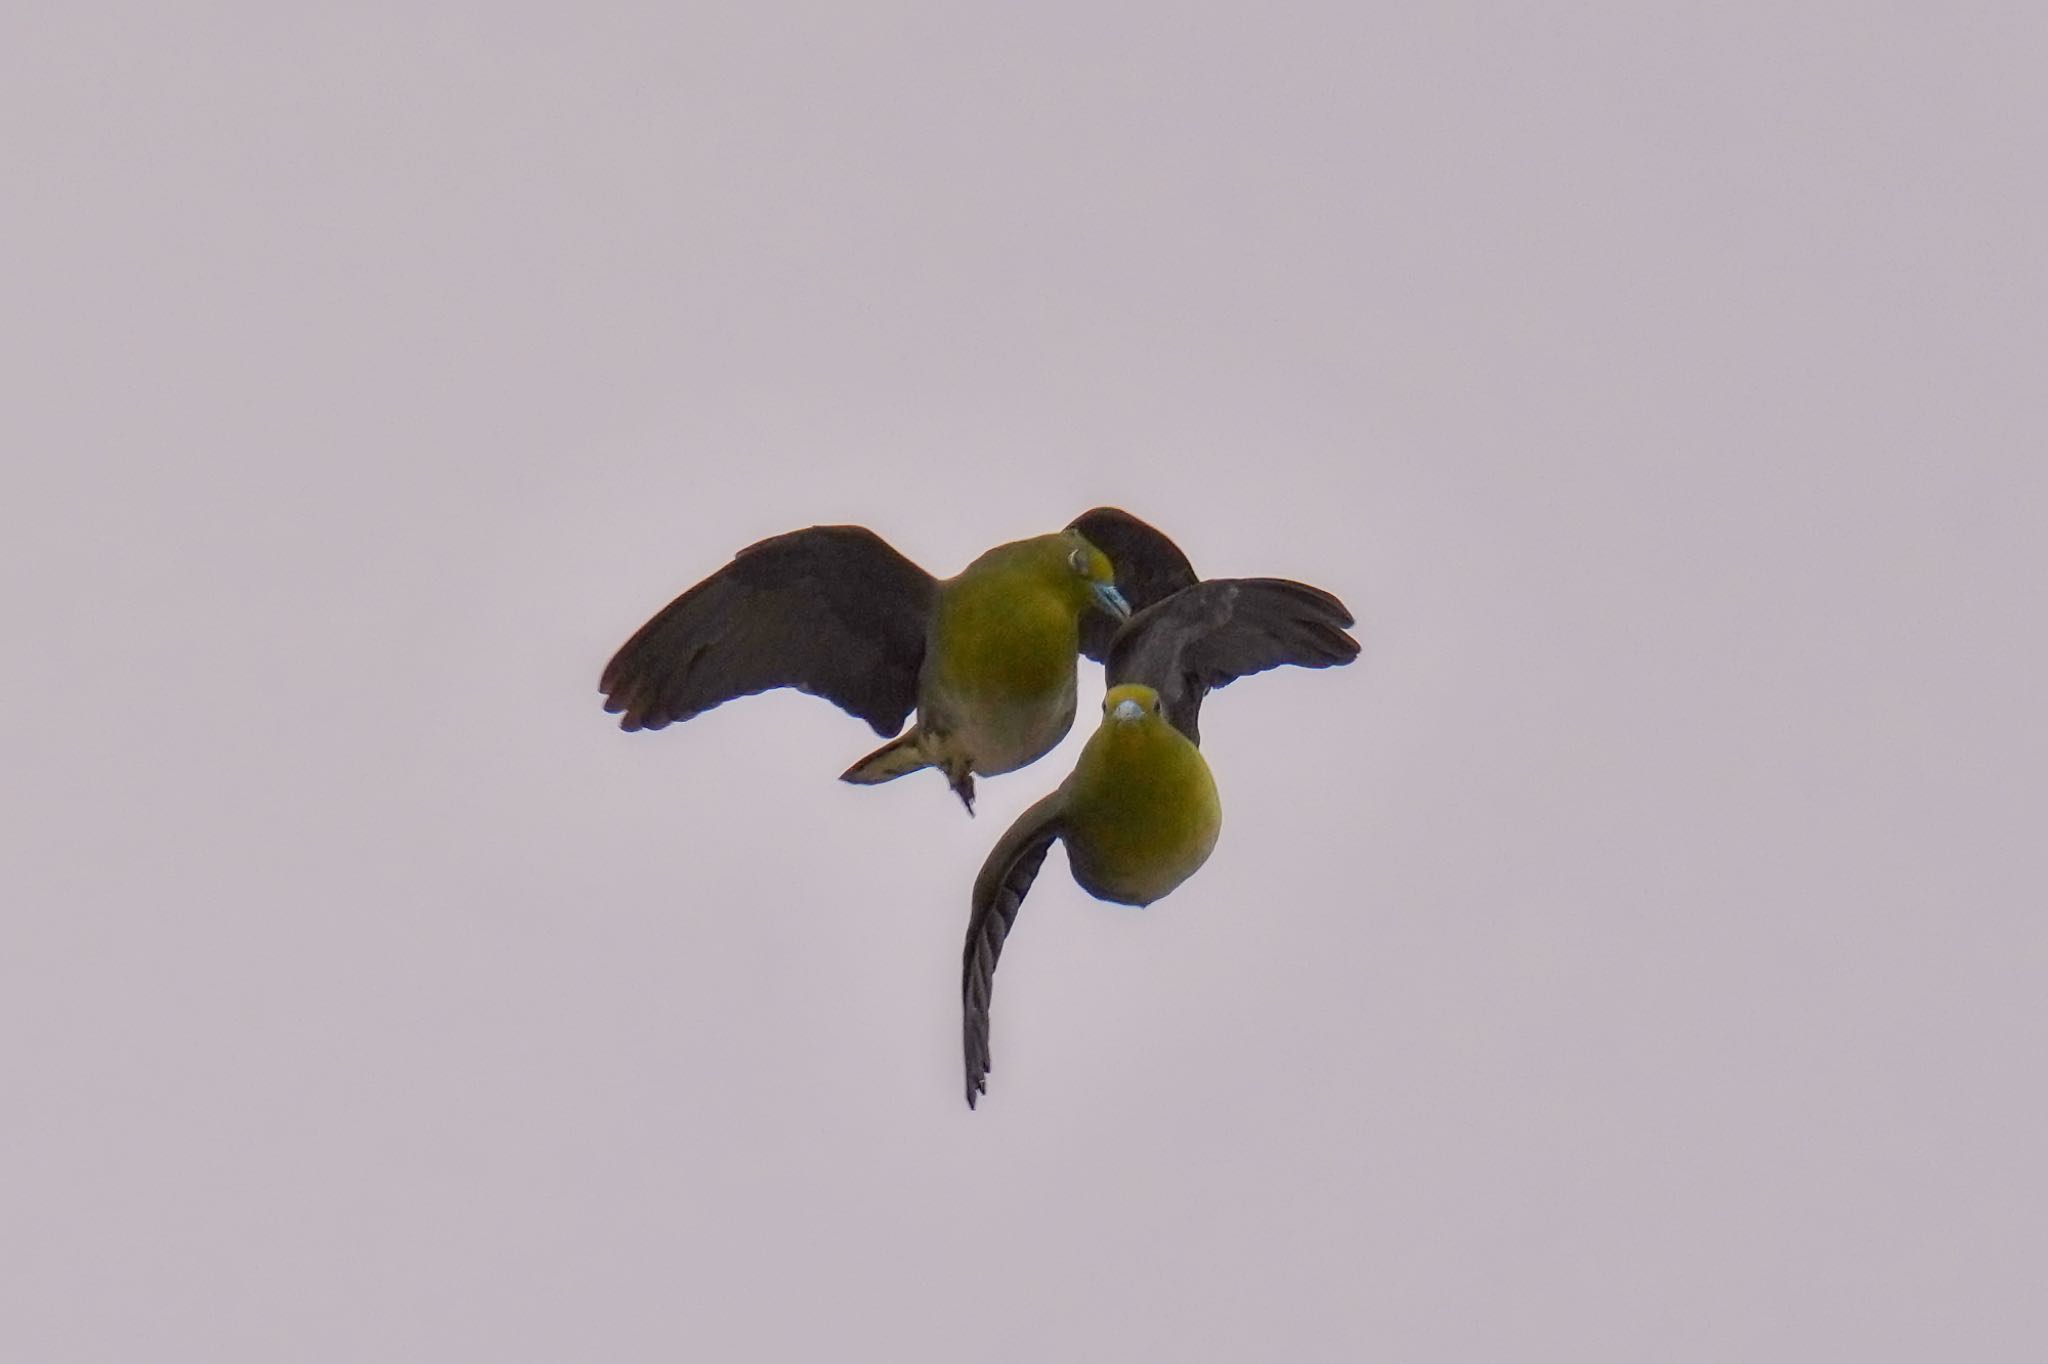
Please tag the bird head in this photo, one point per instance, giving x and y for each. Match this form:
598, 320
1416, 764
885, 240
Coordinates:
1090, 569
1130, 704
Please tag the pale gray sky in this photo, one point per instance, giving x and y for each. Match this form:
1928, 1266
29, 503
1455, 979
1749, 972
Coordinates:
1637, 956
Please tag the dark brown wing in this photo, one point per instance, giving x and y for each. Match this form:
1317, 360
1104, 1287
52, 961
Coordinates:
831, 610
1149, 568
999, 890
1210, 634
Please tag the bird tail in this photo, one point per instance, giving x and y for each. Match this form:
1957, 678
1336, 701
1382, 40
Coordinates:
901, 755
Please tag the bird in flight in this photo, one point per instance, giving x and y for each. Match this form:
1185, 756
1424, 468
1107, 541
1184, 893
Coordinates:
986, 658
1139, 814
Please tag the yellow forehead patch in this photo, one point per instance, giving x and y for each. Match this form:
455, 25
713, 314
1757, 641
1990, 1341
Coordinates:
1131, 691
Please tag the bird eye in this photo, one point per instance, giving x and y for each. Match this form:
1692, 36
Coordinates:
1078, 561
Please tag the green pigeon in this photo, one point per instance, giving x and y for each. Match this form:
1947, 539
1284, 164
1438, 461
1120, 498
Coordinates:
1139, 815
986, 658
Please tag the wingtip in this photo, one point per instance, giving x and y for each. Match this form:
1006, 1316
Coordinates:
634, 719
1321, 621
1327, 604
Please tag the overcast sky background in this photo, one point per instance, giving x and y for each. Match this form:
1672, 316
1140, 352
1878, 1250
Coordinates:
1638, 955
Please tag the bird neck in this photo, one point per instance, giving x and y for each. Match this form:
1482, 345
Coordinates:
1134, 760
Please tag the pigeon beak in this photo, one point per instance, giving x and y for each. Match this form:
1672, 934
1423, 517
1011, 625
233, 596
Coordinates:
1112, 601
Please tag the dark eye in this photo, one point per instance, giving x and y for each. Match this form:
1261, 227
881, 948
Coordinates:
1078, 560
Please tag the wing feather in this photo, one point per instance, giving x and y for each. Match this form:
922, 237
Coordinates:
1213, 633
832, 610
1149, 568
999, 892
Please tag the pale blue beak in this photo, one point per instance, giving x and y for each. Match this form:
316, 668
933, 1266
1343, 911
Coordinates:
1112, 601
1127, 710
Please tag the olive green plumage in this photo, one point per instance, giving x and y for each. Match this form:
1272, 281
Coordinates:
1140, 814
997, 688
986, 659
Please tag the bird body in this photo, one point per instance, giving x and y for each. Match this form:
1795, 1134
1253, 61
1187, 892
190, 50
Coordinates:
1141, 813
986, 659
996, 692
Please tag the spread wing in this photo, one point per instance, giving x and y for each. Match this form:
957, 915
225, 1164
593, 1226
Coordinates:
1149, 568
1213, 633
1004, 881
832, 610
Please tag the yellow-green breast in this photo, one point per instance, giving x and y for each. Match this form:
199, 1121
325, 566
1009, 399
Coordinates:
1141, 813
1005, 633
998, 680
